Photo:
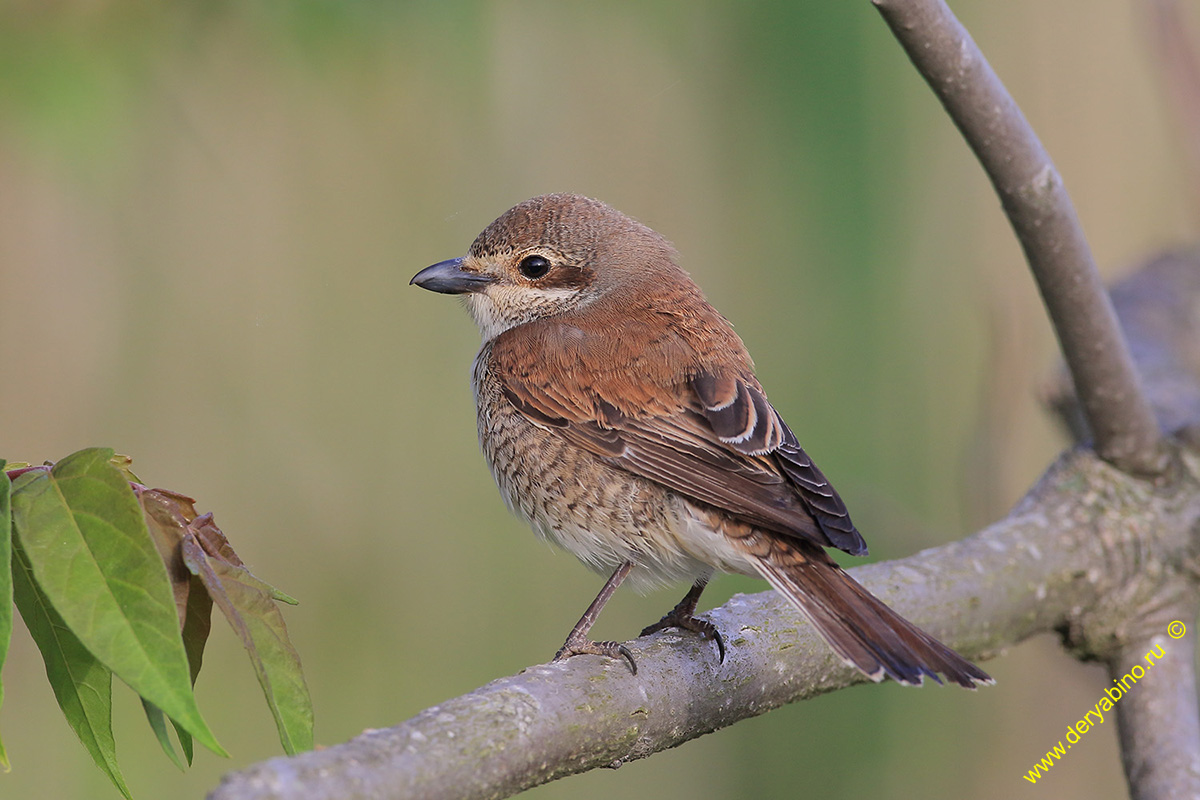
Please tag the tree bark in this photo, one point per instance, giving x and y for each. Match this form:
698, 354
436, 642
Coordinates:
1071, 557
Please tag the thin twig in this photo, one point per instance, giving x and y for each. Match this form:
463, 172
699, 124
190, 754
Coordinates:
1156, 305
1043, 217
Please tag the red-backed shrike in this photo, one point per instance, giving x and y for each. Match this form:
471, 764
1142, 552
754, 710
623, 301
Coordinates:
621, 418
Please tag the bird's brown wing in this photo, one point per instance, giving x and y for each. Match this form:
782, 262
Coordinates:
741, 417
722, 444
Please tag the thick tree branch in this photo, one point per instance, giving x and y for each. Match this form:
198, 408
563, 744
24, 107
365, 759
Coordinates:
1080, 539
1156, 718
1158, 722
1043, 217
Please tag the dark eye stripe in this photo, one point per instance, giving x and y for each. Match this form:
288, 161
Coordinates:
565, 276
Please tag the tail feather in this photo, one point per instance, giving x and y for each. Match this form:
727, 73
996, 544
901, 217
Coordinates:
859, 627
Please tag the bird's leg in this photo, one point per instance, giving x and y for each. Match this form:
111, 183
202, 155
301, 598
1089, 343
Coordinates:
681, 616
577, 642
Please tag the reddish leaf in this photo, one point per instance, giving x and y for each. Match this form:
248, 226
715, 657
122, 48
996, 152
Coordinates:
248, 604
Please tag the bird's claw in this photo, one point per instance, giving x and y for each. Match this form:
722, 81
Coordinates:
677, 619
578, 646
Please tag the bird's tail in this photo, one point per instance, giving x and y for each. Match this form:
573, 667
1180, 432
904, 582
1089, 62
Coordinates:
857, 625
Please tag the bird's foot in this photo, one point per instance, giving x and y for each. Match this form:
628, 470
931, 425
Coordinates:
682, 618
578, 645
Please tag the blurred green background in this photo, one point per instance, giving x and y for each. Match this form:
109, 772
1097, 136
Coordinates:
209, 214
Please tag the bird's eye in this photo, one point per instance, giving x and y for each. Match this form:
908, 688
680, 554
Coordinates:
534, 267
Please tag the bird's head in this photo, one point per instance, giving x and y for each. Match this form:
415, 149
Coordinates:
552, 255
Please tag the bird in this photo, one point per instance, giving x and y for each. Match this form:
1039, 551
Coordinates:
621, 418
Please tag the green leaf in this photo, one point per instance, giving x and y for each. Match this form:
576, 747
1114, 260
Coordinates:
6, 589
92, 555
158, 724
249, 606
81, 684
197, 623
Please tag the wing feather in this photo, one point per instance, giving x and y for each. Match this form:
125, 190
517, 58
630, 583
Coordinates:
722, 444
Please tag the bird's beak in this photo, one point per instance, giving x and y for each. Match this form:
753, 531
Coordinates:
449, 277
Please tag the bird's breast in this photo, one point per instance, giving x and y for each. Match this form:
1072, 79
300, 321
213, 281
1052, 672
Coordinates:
600, 513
